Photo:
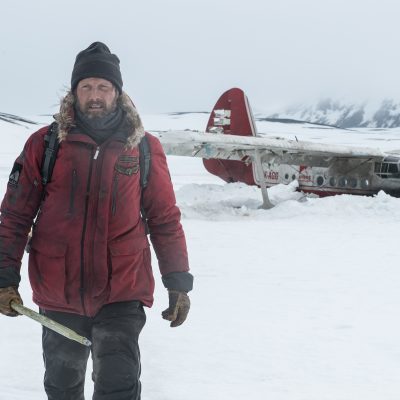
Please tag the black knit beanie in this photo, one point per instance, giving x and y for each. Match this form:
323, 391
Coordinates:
97, 62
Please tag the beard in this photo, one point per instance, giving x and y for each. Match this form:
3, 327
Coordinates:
94, 109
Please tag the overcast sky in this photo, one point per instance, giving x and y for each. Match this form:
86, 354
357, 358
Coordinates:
180, 55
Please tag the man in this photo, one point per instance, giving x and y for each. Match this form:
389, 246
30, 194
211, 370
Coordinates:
89, 262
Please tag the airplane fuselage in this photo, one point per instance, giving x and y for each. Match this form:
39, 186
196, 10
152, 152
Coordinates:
327, 177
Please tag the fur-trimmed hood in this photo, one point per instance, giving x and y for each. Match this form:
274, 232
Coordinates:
66, 119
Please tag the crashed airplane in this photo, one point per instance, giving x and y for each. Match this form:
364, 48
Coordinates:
232, 150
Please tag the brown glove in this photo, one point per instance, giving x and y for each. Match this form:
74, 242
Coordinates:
179, 305
7, 295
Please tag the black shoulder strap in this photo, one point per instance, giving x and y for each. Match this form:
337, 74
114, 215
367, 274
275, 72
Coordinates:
51, 144
144, 161
144, 164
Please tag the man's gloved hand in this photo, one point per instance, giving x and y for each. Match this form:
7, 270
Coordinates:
7, 295
179, 305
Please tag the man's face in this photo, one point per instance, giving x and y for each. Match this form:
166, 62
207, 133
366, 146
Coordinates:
96, 97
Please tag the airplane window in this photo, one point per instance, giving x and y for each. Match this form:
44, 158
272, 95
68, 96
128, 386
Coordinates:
387, 170
342, 181
352, 182
320, 180
332, 181
364, 183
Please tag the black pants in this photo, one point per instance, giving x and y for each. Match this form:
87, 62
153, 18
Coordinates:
114, 334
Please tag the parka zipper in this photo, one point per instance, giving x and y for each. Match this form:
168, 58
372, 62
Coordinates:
73, 190
93, 156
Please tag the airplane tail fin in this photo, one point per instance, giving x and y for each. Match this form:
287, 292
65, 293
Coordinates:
231, 115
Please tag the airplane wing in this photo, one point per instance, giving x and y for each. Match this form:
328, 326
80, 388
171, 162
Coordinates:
244, 148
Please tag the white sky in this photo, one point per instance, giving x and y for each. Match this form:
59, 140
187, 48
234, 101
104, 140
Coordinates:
180, 55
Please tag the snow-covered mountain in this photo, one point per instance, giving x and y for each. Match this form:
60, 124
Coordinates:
385, 114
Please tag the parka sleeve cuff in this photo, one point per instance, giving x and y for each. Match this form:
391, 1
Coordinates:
9, 276
181, 281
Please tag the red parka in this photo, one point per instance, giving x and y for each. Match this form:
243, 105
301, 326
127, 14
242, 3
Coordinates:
89, 245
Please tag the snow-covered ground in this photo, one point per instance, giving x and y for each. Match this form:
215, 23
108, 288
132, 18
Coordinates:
300, 302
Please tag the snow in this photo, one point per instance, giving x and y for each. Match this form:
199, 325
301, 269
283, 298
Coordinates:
299, 302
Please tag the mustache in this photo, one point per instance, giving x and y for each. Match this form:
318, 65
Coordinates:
91, 103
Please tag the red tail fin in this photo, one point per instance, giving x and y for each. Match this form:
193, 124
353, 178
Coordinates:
231, 115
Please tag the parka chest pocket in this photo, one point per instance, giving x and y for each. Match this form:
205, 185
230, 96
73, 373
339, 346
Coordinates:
126, 167
74, 185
